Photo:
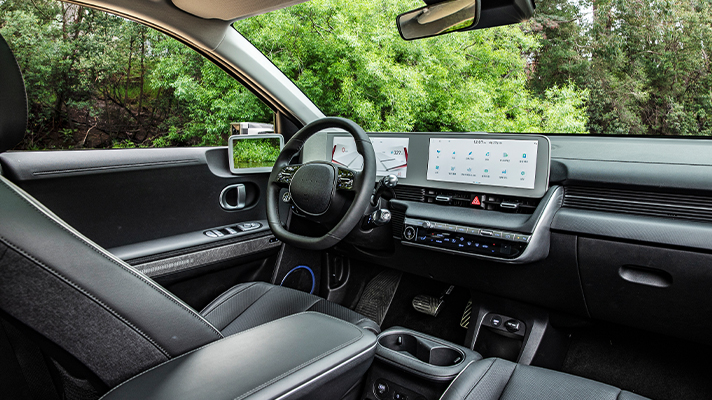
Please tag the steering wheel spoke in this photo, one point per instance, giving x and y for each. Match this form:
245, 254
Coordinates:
285, 175
346, 179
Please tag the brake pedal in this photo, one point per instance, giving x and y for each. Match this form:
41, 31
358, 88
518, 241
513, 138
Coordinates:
430, 305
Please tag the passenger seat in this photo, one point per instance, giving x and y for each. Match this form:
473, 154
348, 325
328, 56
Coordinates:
497, 379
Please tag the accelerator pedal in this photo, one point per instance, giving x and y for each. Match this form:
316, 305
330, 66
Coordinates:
465, 320
430, 305
378, 295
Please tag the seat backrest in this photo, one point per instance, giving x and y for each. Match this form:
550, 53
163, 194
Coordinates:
106, 314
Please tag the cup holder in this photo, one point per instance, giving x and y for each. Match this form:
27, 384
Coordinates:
422, 349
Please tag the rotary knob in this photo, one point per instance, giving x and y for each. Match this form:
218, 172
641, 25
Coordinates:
409, 233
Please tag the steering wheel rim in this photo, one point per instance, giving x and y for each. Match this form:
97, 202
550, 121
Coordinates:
362, 184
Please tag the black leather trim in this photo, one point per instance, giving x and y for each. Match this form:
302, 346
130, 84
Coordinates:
495, 379
13, 100
247, 305
252, 364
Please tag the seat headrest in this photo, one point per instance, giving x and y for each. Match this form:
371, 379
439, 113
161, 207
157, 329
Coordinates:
13, 100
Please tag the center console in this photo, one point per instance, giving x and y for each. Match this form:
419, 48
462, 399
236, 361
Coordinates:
411, 365
304, 356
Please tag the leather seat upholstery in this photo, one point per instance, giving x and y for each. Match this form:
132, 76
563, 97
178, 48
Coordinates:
497, 379
94, 307
251, 304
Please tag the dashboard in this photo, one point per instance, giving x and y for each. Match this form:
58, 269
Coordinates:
515, 165
459, 179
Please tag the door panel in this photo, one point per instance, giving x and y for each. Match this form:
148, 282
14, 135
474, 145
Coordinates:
159, 201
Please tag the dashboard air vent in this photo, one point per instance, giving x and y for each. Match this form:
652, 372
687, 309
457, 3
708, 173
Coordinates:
665, 205
410, 193
458, 198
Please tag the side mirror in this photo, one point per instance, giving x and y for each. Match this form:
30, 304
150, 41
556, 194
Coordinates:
439, 18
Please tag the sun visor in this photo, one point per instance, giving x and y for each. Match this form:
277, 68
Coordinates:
229, 10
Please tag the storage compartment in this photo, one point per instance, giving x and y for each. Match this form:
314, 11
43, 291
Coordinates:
303, 356
422, 349
648, 287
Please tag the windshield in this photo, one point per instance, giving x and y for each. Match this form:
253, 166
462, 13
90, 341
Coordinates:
606, 67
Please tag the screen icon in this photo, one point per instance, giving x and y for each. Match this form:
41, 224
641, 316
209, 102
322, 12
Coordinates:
504, 172
452, 168
524, 155
506, 155
487, 154
470, 154
522, 173
486, 171
437, 167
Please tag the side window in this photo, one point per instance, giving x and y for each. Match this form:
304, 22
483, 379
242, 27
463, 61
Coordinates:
96, 80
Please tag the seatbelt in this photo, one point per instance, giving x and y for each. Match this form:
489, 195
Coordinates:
32, 365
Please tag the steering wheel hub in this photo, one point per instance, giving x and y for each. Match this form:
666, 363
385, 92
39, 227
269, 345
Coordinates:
312, 187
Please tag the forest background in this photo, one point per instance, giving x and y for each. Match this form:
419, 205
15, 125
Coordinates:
622, 67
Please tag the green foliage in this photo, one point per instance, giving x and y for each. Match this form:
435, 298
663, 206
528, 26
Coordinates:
600, 66
254, 153
645, 63
350, 60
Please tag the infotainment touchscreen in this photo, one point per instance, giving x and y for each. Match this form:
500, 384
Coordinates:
494, 162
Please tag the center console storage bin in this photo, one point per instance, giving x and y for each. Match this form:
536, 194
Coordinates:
306, 355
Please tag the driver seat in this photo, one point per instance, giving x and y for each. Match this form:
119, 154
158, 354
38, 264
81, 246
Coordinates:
95, 309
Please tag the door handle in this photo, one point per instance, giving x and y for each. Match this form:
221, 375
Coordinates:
233, 197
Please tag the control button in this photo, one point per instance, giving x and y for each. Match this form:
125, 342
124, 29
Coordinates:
461, 229
508, 236
409, 232
512, 325
521, 238
232, 231
496, 321
497, 234
427, 224
440, 225
218, 233
473, 231
452, 228
287, 197
210, 234
380, 388
399, 396
506, 249
486, 233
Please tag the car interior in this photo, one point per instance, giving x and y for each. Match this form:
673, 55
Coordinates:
356, 265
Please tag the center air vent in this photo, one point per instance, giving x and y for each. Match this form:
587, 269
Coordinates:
654, 204
459, 198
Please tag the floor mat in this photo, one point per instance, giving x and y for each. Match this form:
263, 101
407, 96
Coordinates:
378, 295
654, 366
445, 326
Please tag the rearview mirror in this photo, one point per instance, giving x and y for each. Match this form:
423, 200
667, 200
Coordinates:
439, 18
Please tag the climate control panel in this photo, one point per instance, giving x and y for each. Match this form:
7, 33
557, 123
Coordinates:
465, 239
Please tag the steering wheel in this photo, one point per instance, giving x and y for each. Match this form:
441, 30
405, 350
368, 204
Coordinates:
317, 188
